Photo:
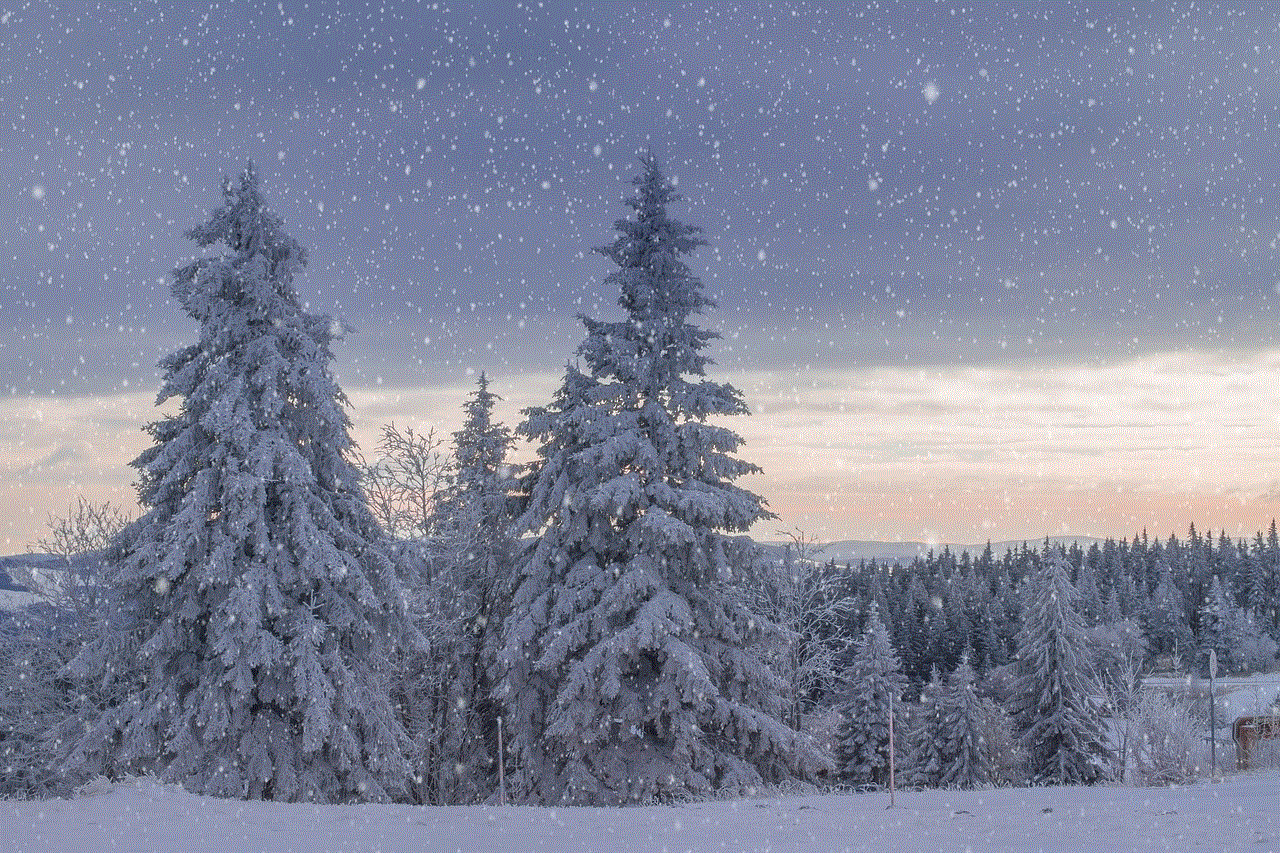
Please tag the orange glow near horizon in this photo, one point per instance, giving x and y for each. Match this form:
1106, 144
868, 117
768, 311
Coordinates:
946, 453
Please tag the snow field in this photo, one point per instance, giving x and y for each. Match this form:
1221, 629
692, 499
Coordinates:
143, 816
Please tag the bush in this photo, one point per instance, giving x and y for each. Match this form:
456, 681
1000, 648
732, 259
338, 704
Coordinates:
38, 641
1004, 753
1168, 739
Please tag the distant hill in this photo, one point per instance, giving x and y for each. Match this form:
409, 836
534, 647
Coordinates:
844, 551
19, 565
16, 570
853, 550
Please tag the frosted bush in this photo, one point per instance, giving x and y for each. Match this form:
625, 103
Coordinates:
1168, 739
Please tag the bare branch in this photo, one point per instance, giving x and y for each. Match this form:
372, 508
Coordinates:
405, 482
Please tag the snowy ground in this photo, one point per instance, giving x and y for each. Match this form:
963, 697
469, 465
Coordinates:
1239, 814
12, 599
1238, 695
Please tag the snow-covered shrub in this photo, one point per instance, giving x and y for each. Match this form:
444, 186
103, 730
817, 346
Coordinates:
38, 641
33, 699
1003, 750
1168, 740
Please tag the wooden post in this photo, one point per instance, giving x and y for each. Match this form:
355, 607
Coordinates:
891, 767
502, 768
1213, 717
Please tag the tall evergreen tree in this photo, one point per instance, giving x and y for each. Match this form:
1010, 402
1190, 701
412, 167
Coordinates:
633, 672
1267, 584
255, 603
1055, 684
460, 582
1091, 603
917, 624
1240, 643
1164, 619
876, 684
926, 736
477, 529
954, 623
965, 763
1217, 624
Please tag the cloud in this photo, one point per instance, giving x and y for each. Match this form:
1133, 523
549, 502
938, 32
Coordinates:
1158, 440
959, 452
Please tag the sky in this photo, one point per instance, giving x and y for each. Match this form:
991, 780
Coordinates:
992, 272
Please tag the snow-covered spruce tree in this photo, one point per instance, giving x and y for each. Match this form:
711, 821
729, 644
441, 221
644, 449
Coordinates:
926, 737
1217, 623
476, 523
1164, 621
1262, 591
633, 673
473, 512
862, 741
255, 607
965, 761
1055, 688
1232, 632
462, 603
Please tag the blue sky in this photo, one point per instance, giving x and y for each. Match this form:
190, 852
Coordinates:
993, 272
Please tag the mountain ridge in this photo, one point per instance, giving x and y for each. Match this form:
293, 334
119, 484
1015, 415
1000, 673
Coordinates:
854, 550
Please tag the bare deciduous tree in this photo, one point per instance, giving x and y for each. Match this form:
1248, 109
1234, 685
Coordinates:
1120, 654
37, 641
406, 479
803, 596
78, 539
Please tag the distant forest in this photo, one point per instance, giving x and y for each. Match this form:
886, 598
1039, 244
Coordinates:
1183, 596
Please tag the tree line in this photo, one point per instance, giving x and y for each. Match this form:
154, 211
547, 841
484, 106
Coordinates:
1180, 597
290, 620
284, 621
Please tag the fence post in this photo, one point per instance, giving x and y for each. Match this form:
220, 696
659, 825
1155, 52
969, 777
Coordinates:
502, 768
1213, 716
891, 766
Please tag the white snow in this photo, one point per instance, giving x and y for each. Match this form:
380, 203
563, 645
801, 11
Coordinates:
1238, 695
11, 599
141, 815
